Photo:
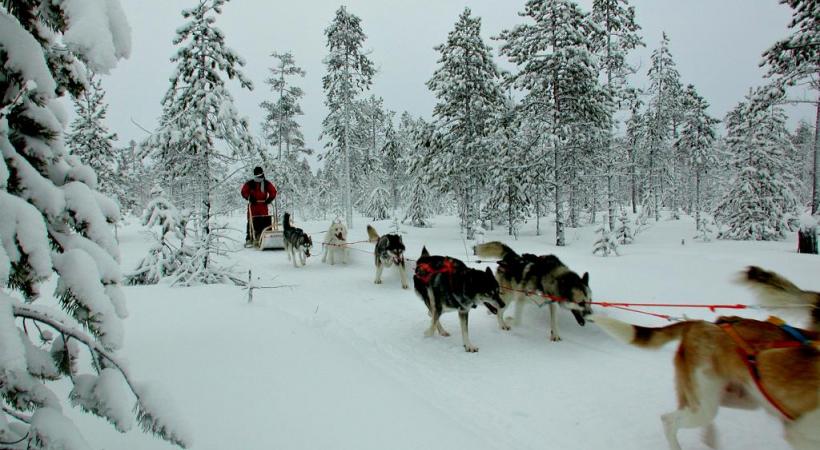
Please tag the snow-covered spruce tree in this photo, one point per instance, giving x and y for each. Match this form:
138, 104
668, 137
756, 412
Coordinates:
664, 94
706, 228
559, 73
54, 224
378, 202
623, 233
466, 87
199, 121
618, 36
759, 201
349, 72
697, 141
418, 212
91, 141
163, 259
510, 183
605, 245
795, 61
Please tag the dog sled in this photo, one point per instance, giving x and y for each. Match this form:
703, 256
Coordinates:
268, 236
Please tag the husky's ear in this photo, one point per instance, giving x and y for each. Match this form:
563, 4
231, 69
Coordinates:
585, 278
424, 251
489, 271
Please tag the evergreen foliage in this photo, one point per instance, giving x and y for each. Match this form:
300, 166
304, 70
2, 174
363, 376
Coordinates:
759, 202
467, 93
55, 224
606, 244
198, 121
91, 141
559, 73
349, 73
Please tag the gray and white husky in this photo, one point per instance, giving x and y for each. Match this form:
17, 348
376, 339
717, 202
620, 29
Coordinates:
545, 274
447, 284
297, 242
389, 252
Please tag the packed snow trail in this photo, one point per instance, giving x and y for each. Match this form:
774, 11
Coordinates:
336, 361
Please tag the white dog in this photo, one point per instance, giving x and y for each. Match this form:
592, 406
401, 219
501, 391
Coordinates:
335, 243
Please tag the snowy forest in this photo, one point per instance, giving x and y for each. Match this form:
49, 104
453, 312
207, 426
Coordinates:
540, 129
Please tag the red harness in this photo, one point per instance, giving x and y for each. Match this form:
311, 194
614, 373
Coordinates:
426, 271
748, 354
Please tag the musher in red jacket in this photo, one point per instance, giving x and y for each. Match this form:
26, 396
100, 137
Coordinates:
259, 193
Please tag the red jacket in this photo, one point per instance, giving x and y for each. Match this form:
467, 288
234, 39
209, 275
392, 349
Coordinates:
259, 196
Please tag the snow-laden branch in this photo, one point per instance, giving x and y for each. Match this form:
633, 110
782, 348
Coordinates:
148, 415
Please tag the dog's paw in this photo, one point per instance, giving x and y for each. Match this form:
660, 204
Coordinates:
428, 333
377, 281
554, 337
444, 333
470, 348
505, 327
404, 286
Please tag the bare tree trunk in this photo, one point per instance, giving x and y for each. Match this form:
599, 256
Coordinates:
559, 213
610, 201
697, 199
815, 195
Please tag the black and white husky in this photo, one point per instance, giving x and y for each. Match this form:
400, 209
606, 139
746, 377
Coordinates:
389, 252
335, 244
297, 242
447, 284
546, 275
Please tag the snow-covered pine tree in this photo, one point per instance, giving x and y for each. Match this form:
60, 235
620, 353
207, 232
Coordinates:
664, 91
623, 233
633, 141
696, 141
510, 183
349, 72
163, 259
605, 245
280, 126
803, 160
466, 88
199, 123
136, 179
618, 36
91, 141
795, 60
283, 132
559, 72
55, 225
759, 201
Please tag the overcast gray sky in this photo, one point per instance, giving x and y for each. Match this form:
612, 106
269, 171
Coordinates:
716, 43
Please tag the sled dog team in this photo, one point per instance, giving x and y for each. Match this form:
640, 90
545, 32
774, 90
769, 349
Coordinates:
733, 362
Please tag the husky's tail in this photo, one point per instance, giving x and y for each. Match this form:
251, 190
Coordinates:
774, 290
493, 249
286, 222
372, 235
640, 336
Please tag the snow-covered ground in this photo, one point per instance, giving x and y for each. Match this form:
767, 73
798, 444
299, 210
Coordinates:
334, 361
